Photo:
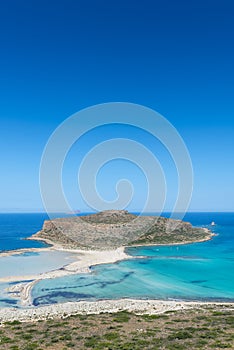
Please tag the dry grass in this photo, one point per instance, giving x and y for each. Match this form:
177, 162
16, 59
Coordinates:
206, 328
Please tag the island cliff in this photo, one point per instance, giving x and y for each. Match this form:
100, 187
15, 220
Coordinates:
117, 228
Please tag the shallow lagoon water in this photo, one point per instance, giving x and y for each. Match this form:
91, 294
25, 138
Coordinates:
200, 271
26, 264
32, 263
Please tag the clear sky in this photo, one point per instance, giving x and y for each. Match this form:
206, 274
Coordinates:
175, 57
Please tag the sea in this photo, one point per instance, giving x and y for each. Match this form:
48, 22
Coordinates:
199, 271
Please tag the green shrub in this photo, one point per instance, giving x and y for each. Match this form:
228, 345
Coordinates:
180, 335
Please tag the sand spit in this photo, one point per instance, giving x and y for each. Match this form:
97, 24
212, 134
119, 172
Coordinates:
107, 245
85, 259
25, 250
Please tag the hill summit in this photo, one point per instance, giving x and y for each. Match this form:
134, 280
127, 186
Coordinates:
114, 228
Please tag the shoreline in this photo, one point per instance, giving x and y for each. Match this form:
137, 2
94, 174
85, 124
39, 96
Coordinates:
85, 260
208, 238
64, 310
58, 246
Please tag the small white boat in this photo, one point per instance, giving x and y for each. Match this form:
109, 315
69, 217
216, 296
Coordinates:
213, 223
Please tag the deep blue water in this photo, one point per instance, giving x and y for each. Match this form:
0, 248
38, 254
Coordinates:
15, 227
200, 271
189, 272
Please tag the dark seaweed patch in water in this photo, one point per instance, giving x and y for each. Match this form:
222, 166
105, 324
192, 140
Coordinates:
143, 261
25, 254
30, 254
198, 281
100, 284
16, 282
9, 301
51, 298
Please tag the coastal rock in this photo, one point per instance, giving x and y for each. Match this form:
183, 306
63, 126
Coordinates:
150, 307
115, 228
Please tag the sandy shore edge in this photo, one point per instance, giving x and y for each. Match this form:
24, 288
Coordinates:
85, 260
64, 310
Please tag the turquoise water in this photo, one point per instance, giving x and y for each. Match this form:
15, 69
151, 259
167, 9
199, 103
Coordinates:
201, 271
23, 266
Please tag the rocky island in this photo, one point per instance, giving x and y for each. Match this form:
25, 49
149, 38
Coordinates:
111, 229
97, 239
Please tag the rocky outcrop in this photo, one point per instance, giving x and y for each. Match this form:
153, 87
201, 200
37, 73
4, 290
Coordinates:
113, 228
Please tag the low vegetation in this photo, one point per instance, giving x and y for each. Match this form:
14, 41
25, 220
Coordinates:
115, 228
206, 328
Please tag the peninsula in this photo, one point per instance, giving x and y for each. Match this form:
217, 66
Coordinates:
98, 239
112, 229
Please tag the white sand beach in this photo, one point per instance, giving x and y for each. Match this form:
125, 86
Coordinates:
84, 260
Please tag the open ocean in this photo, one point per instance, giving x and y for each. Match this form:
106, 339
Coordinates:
15, 227
199, 271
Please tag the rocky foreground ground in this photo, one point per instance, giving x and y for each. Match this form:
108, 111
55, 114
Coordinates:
207, 327
114, 228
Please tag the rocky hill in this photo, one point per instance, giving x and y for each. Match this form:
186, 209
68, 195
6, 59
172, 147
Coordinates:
115, 228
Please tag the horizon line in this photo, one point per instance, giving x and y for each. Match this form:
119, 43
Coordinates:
131, 211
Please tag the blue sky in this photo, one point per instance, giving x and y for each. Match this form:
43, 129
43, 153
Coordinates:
175, 57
